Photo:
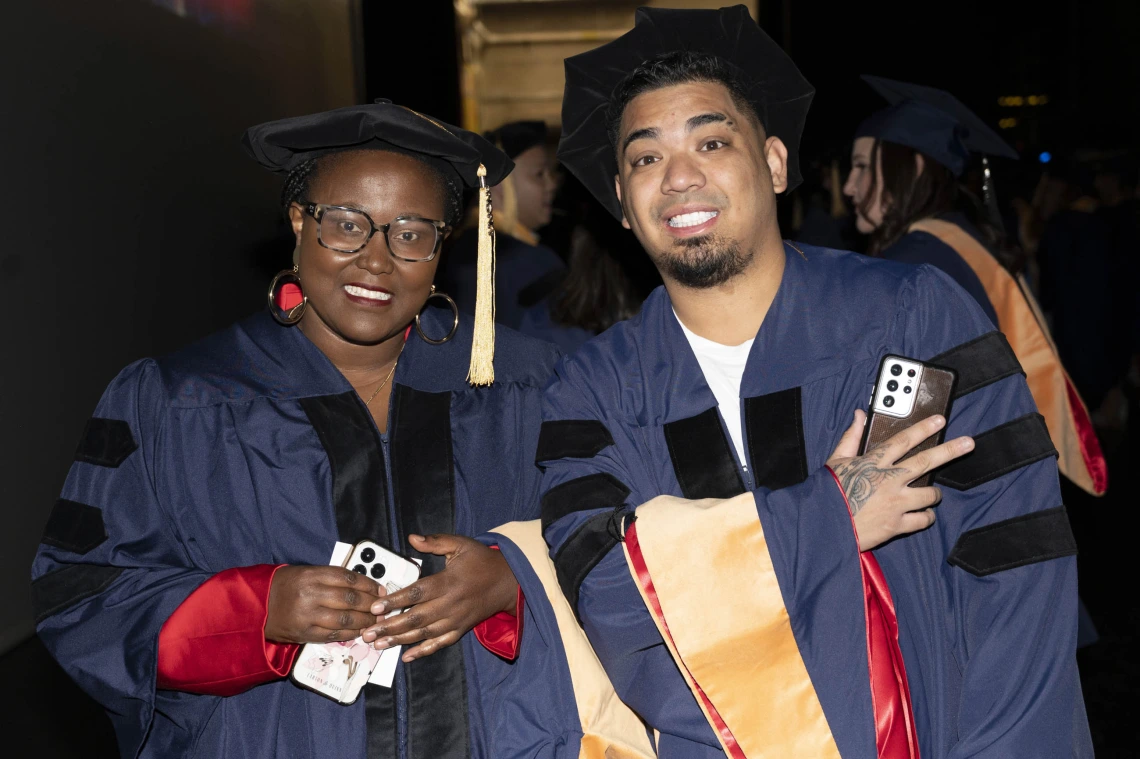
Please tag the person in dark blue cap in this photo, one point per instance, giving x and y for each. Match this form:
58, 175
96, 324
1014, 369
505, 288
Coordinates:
750, 583
186, 561
905, 164
523, 204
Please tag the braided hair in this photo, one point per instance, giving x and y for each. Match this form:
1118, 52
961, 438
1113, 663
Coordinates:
299, 180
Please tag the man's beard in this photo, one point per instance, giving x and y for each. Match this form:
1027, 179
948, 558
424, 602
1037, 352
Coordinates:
705, 261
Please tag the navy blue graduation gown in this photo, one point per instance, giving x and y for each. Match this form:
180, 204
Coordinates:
924, 248
251, 448
538, 323
986, 599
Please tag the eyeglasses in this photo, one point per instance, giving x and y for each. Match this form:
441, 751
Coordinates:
348, 230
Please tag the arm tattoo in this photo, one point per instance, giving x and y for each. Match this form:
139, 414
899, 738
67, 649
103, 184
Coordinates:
861, 476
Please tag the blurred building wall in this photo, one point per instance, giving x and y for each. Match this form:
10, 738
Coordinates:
134, 223
513, 50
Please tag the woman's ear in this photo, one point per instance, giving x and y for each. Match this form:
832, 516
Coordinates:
296, 220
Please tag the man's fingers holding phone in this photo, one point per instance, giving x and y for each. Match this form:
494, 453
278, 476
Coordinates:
927, 461
877, 486
897, 446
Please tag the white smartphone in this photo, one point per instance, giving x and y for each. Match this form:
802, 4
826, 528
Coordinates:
340, 670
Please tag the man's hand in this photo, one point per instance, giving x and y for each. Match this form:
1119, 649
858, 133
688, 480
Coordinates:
877, 483
475, 585
319, 604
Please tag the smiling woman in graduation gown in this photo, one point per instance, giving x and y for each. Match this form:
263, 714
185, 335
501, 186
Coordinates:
206, 476
905, 165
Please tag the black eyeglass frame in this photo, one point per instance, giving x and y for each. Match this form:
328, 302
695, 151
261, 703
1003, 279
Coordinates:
317, 210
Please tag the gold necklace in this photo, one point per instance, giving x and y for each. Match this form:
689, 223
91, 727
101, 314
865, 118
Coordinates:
385, 382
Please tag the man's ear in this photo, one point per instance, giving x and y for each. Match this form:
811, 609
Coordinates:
617, 189
776, 154
919, 163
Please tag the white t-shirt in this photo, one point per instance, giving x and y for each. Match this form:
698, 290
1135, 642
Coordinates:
723, 367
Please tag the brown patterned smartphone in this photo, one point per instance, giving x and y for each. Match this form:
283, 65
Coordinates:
906, 392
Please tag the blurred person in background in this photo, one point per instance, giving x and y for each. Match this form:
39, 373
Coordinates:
821, 216
186, 562
1087, 254
905, 163
604, 283
523, 204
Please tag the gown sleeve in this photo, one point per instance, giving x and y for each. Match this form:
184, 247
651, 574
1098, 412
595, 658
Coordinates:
214, 643
111, 568
501, 634
1010, 558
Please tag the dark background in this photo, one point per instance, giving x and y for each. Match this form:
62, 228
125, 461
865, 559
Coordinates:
136, 224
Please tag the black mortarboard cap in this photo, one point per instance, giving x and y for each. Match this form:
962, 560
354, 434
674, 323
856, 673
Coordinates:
933, 122
778, 91
284, 144
518, 136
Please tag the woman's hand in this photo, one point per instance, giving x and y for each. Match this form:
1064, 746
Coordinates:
319, 604
475, 585
878, 490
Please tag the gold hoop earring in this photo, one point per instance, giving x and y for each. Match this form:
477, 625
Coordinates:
454, 324
286, 297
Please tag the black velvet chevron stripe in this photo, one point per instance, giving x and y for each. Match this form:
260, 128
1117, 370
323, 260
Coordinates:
423, 484
74, 527
776, 438
980, 362
359, 476
1015, 542
999, 451
105, 442
582, 551
704, 464
594, 491
572, 439
63, 588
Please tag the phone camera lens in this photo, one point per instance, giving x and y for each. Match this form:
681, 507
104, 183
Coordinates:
377, 571
910, 372
360, 569
368, 555
896, 370
906, 389
892, 386
889, 401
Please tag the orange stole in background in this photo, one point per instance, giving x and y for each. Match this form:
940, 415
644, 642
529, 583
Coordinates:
692, 555
1080, 458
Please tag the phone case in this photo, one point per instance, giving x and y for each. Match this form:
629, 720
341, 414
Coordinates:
935, 390
340, 670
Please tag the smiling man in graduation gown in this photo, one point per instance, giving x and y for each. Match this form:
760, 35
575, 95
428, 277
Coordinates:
693, 526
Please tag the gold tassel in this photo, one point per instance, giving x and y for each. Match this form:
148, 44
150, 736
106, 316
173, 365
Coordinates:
482, 369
